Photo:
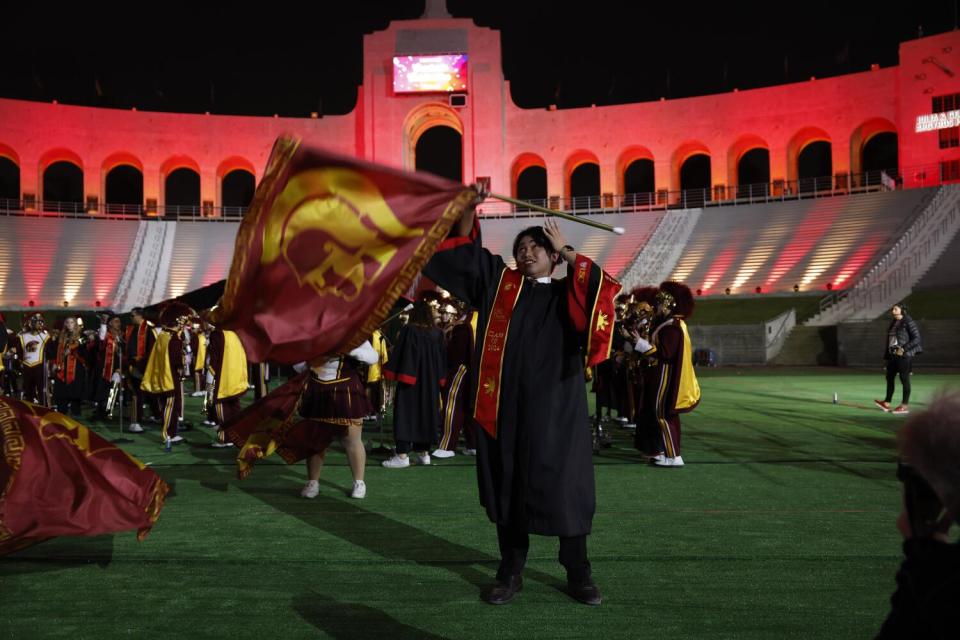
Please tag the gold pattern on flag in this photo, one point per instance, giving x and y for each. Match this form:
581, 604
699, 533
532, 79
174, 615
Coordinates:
334, 230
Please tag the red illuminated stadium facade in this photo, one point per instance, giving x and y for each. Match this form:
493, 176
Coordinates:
609, 157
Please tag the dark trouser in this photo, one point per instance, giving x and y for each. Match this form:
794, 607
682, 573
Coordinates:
455, 413
603, 386
136, 400
259, 379
899, 365
406, 447
223, 410
33, 390
514, 543
171, 405
101, 395
71, 407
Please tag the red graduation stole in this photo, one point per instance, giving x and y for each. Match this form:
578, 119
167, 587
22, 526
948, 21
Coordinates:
142, 330
600, 309
487, 401
108, 358
592, 314
66, 362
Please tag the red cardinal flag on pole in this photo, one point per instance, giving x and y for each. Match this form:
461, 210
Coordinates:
327, 247
58, 478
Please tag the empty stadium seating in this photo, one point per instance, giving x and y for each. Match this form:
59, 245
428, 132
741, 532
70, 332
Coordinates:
810, 243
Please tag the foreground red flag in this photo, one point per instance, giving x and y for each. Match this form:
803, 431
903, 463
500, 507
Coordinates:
263, 428
58, 478
327, 247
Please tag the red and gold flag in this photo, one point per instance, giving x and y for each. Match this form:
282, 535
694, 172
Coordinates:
328, 245
58, 478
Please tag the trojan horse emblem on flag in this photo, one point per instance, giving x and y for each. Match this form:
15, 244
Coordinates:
328, 245
334, 230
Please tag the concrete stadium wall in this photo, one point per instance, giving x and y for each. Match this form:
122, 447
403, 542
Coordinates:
861, 344
733, 344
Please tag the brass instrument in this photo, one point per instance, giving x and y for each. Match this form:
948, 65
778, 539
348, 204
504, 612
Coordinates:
208, 397
637, 318
116, 387
112, 397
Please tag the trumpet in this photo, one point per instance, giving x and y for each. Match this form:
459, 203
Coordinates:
208, 397
112, 397
637, 315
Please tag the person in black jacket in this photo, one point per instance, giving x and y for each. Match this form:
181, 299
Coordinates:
928, 581
903, 343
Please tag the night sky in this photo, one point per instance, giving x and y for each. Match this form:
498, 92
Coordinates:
292, 61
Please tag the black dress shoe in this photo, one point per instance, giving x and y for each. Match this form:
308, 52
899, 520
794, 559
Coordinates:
585, 592
503, 592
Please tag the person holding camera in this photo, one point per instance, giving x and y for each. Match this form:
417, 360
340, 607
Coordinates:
928, 582
903, 343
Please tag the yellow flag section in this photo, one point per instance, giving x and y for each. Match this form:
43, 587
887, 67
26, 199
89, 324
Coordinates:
158, 377
688, 392
233, 377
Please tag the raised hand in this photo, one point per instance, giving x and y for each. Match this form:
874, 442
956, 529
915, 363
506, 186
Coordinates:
552, 229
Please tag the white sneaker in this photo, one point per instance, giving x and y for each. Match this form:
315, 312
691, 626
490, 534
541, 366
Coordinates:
153, 419
655, 459
359, 490
216, 444
176, 439
621, 419
198, 394
310, 490
396, 462
424, 459
443, 453
135, 428
210, 423
668, 462
630, 425
469, 452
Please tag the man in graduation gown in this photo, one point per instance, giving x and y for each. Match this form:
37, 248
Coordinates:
109, 369
70, 366
534, 337
418, 365
140, 339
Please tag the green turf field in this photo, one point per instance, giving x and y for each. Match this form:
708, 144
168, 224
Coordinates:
780, 526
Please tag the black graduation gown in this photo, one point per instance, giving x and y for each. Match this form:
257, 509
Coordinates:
418, 364
70, 387
537, 474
